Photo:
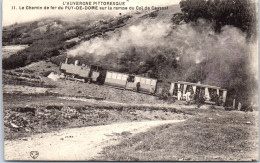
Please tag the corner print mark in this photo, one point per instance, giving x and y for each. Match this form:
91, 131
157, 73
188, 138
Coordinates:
34, 154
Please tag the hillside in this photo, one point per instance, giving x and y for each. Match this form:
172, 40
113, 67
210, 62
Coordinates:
54, 36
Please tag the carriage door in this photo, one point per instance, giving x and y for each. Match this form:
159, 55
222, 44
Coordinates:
130, 82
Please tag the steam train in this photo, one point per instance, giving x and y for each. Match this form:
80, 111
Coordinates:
180, 90
82, 73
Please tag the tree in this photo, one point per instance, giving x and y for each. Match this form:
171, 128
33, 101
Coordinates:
238, 13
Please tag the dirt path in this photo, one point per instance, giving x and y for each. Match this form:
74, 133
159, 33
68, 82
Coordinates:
75, 144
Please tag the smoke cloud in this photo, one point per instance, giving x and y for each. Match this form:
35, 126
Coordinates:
223, 59
142, 35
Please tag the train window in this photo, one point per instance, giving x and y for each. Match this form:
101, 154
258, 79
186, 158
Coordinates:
119, 76
109, 75
147, 81
114, 75
182, 87
131, 78
124, 77
137, 79
197, 90
142, 80
220, 92
153, 82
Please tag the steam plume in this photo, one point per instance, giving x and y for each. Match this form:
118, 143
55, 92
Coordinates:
224, 58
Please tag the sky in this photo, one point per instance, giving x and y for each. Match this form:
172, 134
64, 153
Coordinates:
18, 15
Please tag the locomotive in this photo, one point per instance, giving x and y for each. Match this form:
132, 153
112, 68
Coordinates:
82, 73
180, 90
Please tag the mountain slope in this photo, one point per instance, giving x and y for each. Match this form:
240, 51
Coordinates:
53, 36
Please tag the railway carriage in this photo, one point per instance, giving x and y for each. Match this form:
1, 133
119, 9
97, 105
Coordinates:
210, 94
145, 84
131, 82
116, 79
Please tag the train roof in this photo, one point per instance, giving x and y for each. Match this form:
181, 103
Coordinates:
94, 65
131, 74
117, 72
145, 77
199, 85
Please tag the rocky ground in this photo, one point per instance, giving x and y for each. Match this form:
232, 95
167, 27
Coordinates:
23, 120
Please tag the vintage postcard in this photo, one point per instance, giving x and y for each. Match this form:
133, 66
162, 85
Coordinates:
130, 80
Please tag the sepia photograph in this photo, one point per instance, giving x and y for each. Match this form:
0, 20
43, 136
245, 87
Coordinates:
130, 80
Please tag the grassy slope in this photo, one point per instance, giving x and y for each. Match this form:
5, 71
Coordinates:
210, 136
